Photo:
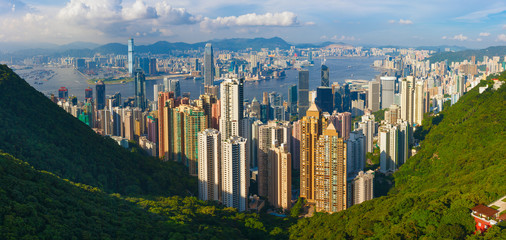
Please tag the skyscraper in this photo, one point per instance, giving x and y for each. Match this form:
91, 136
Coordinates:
208, 66
100, 88
268, 136
231, 113
324, 99
303, 92
373, 98
325, 76
209, 162
361, 188
88, 94
311, 127
140, 89
368, 127
131, 56
235, 173
388, 142
418, 103
330, 172
407, 93
292, 100
63, 93
387, 91
280, 184
356, 152
172, 85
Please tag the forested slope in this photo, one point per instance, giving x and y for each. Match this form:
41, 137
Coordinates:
35, 130
461, 163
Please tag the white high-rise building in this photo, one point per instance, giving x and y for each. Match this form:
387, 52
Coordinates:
361, 188
388, 148
407, 99
231, 107
209, 165
356, 152
368, 127
418, 103
387, 91
235, 173
373, 96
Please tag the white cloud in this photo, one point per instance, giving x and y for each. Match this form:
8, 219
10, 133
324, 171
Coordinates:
343, 38
501, 38
401, 21
444, 37
481, 15
138, 10
324, 37
504, 26
484, 34
280, 19
459, 37
479, 39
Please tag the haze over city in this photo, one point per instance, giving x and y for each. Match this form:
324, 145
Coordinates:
362, 22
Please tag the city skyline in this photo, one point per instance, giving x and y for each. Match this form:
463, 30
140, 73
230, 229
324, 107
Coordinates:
473, 25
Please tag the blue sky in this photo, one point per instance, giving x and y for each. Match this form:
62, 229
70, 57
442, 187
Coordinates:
474, 24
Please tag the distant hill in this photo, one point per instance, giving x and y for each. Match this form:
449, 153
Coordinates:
461, 163
82, 49
35, 130
467, 54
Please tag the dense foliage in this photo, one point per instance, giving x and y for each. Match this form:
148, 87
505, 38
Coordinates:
35, 130
38, 204
460, 164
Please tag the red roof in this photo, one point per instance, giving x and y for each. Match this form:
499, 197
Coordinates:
484, 210
502, 217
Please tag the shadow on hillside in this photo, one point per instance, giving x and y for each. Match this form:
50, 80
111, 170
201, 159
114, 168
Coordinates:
423, 130
382, 184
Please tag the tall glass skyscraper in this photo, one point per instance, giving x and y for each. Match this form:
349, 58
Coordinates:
325, 76
131, 56
100, 87
140, 89
303, 92
292, 99
208, 66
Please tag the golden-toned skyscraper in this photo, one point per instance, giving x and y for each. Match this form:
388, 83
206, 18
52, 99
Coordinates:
330, 172
280, 184
311, 127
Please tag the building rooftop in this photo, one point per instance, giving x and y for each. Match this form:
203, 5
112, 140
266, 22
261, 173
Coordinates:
484, 210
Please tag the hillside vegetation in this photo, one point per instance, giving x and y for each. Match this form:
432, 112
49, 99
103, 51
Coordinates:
40, 205
461, 163
35, 130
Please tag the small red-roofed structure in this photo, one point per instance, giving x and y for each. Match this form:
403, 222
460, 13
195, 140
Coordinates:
488, 216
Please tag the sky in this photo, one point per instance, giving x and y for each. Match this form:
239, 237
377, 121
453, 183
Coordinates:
468, 23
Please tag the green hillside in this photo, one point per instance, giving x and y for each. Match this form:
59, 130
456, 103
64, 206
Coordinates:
460, 56
40, 205
461, 163
35, 130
